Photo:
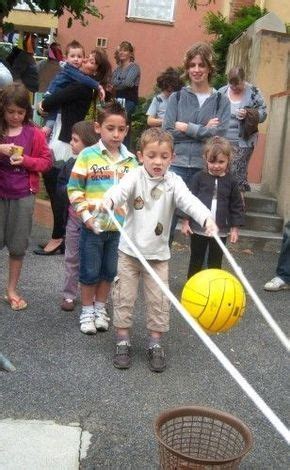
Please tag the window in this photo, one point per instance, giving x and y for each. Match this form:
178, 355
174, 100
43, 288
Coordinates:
102, 42
151, 10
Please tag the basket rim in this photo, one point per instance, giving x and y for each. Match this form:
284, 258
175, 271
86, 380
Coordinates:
210, 413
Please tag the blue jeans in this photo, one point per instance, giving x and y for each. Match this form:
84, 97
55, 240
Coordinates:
98, 256
186, 173
283, 266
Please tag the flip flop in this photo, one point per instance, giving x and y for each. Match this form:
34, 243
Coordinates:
15, 304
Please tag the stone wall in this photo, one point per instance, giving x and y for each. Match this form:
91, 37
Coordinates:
265, 56
276, 168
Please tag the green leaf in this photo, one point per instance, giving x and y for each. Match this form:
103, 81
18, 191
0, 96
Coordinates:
76, 8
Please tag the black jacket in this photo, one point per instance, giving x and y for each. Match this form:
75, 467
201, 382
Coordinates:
23, 67
73, 102
230, 209
61, 189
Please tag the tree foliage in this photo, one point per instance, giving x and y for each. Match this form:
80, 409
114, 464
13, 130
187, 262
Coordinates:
226, 31
78, 9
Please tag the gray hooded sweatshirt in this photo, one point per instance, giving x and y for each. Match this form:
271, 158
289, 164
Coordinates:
184, 106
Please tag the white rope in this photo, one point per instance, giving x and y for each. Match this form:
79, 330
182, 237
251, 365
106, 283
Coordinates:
241, 381
269, 319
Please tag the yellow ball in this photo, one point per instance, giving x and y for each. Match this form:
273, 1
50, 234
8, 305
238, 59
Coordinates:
215, 298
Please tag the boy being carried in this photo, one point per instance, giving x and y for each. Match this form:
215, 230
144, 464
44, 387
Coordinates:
75, 55
152, 193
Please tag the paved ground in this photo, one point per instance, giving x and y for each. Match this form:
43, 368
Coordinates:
65, 377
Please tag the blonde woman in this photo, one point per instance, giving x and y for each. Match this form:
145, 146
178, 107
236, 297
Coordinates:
195, 113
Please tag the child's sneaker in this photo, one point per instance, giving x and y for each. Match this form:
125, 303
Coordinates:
122, 357
276, 284
101, 319
67, 305
156, 358
87, 322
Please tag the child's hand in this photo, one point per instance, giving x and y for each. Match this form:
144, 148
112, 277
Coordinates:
90, 224
211, 227
101, 93
234, 234
185, 228
106, 205
6, 149
47, 131
16, 160
214, 122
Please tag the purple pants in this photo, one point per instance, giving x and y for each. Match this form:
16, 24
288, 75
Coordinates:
71, 258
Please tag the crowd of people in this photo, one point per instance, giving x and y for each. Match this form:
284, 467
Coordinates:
192, 164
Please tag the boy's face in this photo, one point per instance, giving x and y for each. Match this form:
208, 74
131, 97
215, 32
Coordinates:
156, 158
113, 131
75, 57
76, 143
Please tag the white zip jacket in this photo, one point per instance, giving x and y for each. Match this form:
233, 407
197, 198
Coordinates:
150, 206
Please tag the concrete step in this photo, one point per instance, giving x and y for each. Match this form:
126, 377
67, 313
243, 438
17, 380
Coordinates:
259, 239
259, 202
260, 234
263, 222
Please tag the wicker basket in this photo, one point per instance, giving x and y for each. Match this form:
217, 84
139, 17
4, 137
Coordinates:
201, 438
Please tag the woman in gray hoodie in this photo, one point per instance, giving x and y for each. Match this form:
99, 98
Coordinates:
195, 113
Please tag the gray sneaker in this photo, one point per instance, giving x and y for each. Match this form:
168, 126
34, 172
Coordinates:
122, 357
156, 358
276, 284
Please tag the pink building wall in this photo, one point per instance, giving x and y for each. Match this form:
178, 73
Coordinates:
157, 46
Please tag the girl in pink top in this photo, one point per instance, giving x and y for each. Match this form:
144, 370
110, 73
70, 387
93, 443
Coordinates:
23, 153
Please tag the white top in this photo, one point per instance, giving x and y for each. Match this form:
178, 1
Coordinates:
150, 206
202, 97
235, 105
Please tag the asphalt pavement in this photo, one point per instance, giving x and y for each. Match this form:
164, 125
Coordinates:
65, 378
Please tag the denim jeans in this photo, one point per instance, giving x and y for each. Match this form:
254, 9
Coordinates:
186, 173
283, 266
98, 256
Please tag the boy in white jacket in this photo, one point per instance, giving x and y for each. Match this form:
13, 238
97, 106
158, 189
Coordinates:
151, 194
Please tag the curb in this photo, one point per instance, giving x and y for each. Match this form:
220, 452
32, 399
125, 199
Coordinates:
42, 214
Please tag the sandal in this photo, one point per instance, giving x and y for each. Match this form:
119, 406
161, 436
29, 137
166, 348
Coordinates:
15, 304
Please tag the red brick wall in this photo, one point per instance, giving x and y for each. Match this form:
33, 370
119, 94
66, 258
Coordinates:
238, 4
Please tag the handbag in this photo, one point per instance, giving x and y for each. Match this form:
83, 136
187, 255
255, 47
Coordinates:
250, 123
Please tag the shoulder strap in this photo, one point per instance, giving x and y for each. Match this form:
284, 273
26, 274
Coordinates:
178, 96
218, 101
